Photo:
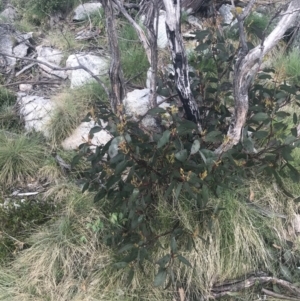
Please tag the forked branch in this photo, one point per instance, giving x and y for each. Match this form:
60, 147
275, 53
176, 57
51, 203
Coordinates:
246, 67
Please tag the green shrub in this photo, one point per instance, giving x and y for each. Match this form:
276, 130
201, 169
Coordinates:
20, 158
135, 172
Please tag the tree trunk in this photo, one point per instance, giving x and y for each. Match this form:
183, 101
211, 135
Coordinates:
148, 41
246, 67
180, 63
117, 93
151, 24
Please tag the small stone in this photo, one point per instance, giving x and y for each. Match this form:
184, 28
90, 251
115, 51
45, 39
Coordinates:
25, 87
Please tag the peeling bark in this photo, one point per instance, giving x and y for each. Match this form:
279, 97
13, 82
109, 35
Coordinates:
246, 67
117, 93
180, 63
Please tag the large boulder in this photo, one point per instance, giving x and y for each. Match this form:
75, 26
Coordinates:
35, 112
137, 105
52, 57
96, 64
81, 134
83, 11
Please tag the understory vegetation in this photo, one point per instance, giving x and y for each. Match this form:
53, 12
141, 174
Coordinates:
147, 215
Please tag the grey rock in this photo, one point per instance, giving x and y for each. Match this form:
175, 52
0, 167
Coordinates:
52, 57
96, 64
35, 112
9, 14
81, 133
25, 87
82, 11
225, 12
20, 50
136, 105
7, 42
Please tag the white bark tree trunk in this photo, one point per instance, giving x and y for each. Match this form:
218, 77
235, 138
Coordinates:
246, 67
173, 10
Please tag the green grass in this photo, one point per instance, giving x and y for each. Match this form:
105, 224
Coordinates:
52, 172
36, 11
288, 65
20, 158
133, 57
6, 97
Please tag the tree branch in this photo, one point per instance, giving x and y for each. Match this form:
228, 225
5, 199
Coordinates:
222, 290
115, 72
60, 68
246, 67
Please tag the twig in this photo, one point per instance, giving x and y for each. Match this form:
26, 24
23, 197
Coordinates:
229, 287
279, 296
41, 82
60, 68
25, 68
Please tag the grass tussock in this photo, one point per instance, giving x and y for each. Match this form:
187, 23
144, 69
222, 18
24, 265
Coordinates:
6, 97
71, 107
9, 119
20, 158
54, 174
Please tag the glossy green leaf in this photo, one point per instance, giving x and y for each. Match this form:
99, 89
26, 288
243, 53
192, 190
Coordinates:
100, 195
156, 111
213, 136
181, 155
195, 147
260, 117
164, 139
184, 260
173, 245
295, 119
160, 278
164, 260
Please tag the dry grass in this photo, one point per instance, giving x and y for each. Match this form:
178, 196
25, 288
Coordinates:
68, 260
